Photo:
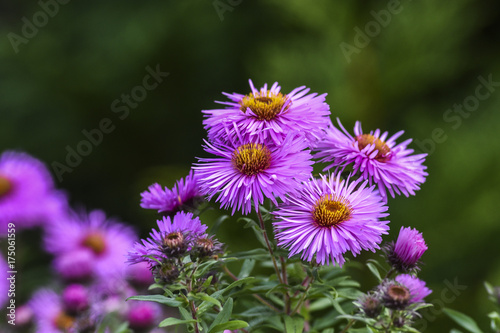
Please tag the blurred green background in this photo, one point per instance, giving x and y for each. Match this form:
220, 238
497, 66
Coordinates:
62, 77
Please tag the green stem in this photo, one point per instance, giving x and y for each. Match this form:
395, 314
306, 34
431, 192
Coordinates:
299, 304
191, 303
349, 324
285, 281
389, 273
263, 301
264, 233
193, 314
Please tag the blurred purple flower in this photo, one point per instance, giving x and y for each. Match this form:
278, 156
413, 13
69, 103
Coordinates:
4, 283
49, 313
143, 315
27, 194
75, 298
105, 239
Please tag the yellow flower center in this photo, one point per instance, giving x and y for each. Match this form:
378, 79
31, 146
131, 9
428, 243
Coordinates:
95, 242
330, 211
266, 106
251, 158
5, 186
64, 322
382, 148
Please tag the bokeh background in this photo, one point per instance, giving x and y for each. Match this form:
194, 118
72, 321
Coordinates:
63, 77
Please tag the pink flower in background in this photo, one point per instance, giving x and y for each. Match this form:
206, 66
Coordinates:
27, 194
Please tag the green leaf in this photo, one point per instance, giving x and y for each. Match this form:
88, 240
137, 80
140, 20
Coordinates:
293, 325
246, 268
374, 271
207, 282
238, 283
495, 320
155, 286
185, 314
175, 321
230, 325
463, 320
158, 299
224, 315
209, 299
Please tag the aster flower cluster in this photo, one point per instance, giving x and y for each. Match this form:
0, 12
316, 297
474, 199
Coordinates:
180, 241
90, 277
262, 147
394, 302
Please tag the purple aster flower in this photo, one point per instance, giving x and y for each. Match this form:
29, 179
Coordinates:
244, 173
139, 275
417, 287
75, 266
330, 216
175, 238
404, 255
75, 298
27, 194
391, 166
394, 295
4, 283
105, 239
185, 195
143, 315
369, 304
49, 313
269, 114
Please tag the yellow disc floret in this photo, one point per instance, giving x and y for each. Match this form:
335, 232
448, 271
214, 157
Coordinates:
5, 186
251, 158
265, 105
330, 211
364, 140
95, 242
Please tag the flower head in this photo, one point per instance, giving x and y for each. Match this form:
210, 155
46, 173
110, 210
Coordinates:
370, 305
185, 195
143, 315
27, 193
404, 255
268, 114
244, 173
49, 312
174, 238
75, 298
330, 216
206, 246
391, 166
104, 240
4, 283
395, 295
417, 287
